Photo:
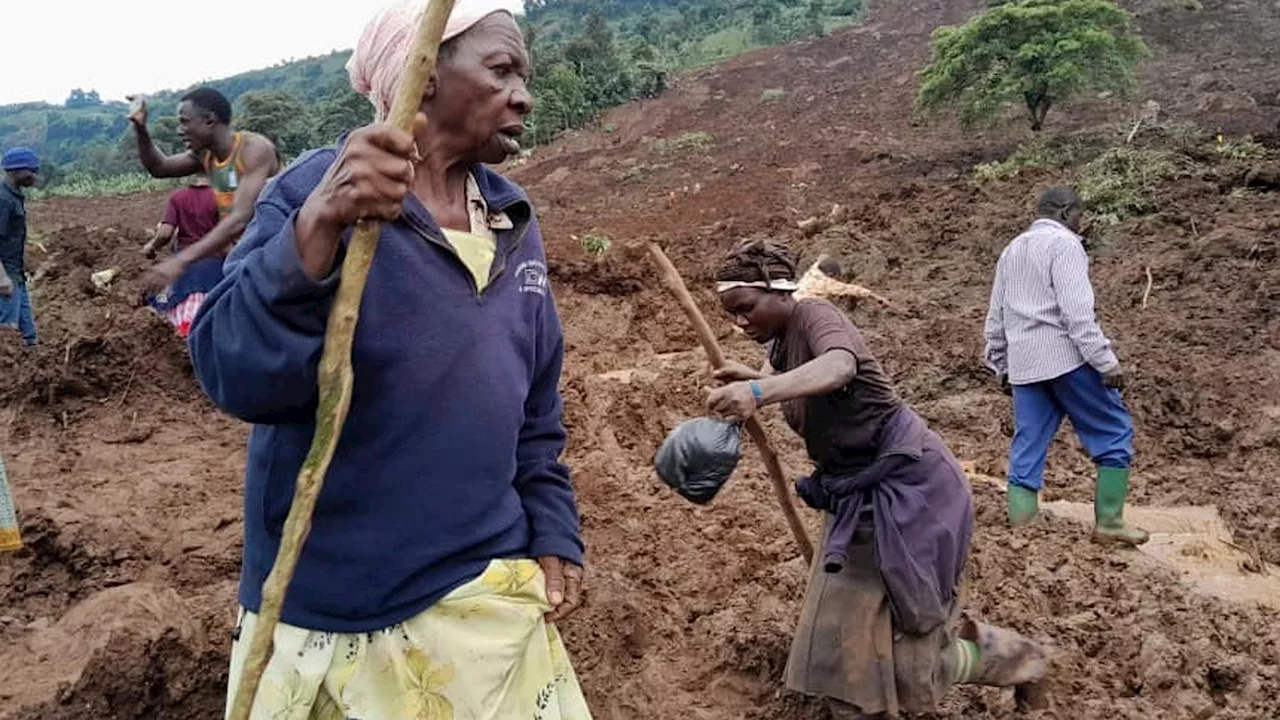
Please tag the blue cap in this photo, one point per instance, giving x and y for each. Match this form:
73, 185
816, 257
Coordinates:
21, 158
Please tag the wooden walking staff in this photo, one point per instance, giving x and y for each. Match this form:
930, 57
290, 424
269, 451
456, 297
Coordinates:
335, 375
672, 280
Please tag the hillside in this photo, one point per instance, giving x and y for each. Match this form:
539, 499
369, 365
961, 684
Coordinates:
580, 72
65, 134
129, 484
589, 55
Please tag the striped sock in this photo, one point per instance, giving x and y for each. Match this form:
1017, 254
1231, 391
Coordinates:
966, 668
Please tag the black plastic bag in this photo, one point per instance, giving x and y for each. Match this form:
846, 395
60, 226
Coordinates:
699, 457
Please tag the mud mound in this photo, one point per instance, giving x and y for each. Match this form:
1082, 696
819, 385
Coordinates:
61, 563
1201, 348
139, 677
138, 212
691, 608
1129, 640
618, 274
109, 608
97, 342
57, 654
724, 583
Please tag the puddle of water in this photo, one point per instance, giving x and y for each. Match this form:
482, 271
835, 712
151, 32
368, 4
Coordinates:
1197, 542
1194, 540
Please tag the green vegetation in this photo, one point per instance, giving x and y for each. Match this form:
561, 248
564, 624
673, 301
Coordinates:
62, 134
87, 147
684, 143
1245, 148
583, 64
1122, 181
79, 185
1034, 53
596, 244
1036, 154
281, 117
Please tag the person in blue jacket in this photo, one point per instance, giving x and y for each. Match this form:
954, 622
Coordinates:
21, 166
445, 544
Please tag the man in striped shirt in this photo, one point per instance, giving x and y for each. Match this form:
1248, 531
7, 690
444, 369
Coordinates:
1044, 343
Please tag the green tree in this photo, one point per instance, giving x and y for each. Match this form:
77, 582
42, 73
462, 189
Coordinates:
764, 22
533, 7
597, 31
1031, 52
51, 173
650, 71
561, 104
343, 110
164, 132
802, 22
606, 80
845, 8
80, 99
279, 116
103, 160
647, 26
530, 38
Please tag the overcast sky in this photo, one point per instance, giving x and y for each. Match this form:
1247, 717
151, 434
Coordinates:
119, 48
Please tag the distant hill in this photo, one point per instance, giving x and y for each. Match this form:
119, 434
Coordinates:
60, 132
84, 129
588, 55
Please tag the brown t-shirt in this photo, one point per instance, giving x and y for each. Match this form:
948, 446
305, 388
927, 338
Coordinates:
839, 428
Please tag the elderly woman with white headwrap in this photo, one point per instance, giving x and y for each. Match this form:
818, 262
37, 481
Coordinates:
446, 541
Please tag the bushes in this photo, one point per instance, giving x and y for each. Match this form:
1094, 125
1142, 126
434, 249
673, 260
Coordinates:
1122, 181
1039, 154
584, 65
78, 184
684, 143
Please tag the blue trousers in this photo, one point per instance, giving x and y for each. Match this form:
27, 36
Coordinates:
15, 311
1097, 413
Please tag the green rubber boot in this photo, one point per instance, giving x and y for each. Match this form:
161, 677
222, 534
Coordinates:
1024, 504
1108, 509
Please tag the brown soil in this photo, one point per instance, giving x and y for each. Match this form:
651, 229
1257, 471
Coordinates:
128, 481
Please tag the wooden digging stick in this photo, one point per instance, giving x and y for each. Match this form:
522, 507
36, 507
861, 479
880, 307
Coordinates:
335, 375
672, 280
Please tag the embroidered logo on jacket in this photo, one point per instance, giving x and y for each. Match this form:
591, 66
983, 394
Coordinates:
532, 276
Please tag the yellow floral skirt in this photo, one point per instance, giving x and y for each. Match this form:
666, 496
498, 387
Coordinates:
483, 651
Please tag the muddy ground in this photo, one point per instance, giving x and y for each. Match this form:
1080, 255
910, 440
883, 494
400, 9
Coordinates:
128, 481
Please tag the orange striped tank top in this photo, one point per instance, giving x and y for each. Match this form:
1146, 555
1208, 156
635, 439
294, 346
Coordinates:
224, 176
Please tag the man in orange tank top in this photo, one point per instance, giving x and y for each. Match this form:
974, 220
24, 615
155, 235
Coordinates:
238, 164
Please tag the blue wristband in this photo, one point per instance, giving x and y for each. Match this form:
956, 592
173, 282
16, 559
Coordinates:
757, 392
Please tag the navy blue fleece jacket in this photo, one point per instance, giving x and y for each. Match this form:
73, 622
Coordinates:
450, 455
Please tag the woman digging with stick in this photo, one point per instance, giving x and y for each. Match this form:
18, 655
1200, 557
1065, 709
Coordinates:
445, 541
881, 630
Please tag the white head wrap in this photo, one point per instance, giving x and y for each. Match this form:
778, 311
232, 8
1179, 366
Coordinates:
777, 284
379, 58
